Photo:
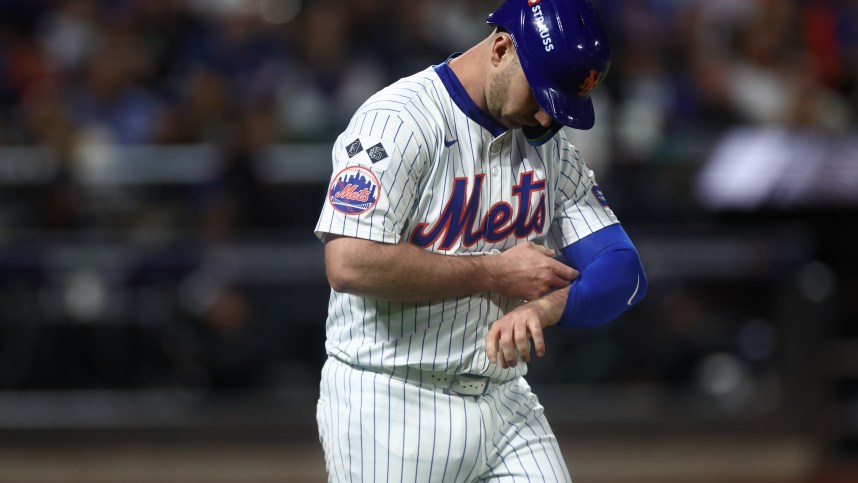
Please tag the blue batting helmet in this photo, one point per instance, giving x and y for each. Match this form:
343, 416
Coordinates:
563, 50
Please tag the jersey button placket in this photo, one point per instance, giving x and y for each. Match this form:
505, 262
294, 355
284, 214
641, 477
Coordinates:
498, 190
495, 158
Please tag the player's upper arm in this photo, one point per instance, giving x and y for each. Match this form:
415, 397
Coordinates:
589, 235
377, 163
344, 256
580, 207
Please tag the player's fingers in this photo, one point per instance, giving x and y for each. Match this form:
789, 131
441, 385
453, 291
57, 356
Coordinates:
558, 282
492, 346
522, 343
508, 348
503, 362
564, 271
536, 334
543, 250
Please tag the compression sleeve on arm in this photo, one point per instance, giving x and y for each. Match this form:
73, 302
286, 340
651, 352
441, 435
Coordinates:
611, 278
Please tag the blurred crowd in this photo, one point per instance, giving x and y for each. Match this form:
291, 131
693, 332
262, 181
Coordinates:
243, 73
221, 71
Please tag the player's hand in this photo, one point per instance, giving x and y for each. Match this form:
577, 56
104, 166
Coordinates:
509, 337
527, 271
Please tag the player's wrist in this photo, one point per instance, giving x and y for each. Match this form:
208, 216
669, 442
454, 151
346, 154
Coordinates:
550, 308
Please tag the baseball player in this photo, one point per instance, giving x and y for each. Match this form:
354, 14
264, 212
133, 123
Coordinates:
454, 193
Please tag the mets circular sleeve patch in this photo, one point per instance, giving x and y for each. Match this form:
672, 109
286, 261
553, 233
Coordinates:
597, 192
354, 190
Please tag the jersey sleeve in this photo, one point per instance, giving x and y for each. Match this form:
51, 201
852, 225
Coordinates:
377, 164
580, 207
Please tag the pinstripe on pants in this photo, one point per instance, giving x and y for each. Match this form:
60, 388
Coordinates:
378, 429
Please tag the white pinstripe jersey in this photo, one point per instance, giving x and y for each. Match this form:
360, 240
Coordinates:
420, 162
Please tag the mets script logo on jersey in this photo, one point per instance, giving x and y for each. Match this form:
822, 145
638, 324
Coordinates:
354, 190
459, 216
590, 82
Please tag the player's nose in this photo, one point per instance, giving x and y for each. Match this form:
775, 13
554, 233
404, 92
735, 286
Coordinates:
542, 118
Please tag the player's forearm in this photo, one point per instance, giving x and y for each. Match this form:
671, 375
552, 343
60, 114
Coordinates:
402, 272
612, 278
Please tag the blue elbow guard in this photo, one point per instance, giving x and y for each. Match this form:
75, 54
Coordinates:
611, 278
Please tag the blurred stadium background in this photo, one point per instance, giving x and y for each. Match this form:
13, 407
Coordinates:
162, 297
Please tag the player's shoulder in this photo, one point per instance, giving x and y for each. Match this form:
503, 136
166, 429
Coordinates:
407, 111
390, 125
567, 152
400, 97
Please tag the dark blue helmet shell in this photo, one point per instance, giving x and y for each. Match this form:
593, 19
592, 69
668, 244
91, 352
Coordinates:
563, 50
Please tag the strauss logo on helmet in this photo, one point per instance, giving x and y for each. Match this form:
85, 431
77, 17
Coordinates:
539, 17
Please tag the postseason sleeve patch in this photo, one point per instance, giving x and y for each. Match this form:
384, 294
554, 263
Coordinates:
354, 148
376, 153
376, 156
354, 190
597, 192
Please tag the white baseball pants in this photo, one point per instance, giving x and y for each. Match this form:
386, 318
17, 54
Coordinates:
377, 429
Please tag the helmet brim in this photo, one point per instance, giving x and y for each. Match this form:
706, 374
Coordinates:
569, 109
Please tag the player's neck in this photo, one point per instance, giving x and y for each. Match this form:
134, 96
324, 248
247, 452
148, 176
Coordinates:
469, 69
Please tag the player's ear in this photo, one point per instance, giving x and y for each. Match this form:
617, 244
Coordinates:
501, 47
